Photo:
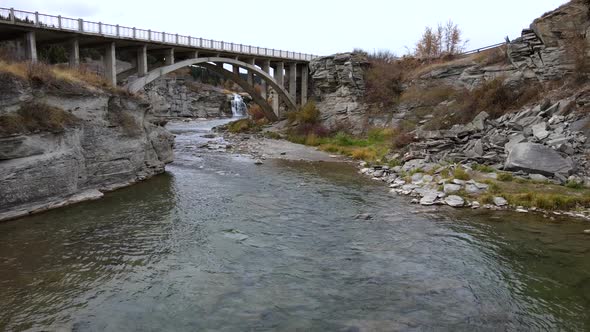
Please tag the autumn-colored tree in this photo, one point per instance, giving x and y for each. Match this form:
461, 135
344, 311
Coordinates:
444, 40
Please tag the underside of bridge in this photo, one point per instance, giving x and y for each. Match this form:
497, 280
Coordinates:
283, 81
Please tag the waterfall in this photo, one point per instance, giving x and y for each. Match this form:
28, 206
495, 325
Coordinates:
238, 107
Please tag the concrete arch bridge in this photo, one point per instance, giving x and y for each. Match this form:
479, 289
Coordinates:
284, 74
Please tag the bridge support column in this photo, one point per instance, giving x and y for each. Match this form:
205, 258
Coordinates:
250, 73
304, 78
266, 69
169, 57
236, 69
74, 56
110, 63
280, 73
31, 46
142, 67
293, 81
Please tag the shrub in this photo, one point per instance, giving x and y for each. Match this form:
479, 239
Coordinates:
242, 126
403, 139
573, 184
308, 114
383, 81
505, 177
255, 112
311, 140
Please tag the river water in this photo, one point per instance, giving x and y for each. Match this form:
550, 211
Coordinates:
218, 243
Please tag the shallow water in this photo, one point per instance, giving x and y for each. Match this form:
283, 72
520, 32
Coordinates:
218, 243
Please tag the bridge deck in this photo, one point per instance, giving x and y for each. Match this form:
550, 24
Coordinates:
51, 26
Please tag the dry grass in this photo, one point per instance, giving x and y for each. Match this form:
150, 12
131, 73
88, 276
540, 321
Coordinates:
58, 77
494, 56
36, 117
428, 96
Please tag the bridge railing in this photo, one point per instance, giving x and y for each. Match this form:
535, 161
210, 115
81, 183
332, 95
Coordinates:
21, 17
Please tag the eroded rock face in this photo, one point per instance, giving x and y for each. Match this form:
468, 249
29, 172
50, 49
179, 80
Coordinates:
177, 97
113, 144
537, 158
338, 86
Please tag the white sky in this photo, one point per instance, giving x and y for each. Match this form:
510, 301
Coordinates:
320, 27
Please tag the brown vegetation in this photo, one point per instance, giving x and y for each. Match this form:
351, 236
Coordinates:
35, 117
56, 77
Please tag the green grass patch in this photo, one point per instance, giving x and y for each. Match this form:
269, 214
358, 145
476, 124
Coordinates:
505, 177
243, 126
461, 174
483, 168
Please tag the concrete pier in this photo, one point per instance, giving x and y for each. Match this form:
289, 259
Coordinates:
110, 63
142, 65
250, 78
266, 69
74, 56
169, 57
293, 80
280, 73
31, 46
304, 87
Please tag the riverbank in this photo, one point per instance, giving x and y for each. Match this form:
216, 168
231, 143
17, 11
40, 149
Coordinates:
432, 184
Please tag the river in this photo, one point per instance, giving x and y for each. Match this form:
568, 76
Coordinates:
219, 243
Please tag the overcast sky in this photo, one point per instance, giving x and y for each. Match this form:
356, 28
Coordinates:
310, 26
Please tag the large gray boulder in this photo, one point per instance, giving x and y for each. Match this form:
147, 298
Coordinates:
537, 158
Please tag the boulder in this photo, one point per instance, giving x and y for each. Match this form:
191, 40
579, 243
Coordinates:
538, 178
429, 198
455, 201
513, 141
540, 131
537, 158
500, 201
451, 188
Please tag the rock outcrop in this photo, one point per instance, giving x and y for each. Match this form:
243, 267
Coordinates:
338, 85
174, 97
111, 143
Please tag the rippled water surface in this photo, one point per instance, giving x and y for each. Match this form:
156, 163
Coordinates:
218, 243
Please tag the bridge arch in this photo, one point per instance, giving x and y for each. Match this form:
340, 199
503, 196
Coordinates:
154, 74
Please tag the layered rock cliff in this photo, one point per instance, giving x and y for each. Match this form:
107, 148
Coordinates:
59, 146
175, 97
